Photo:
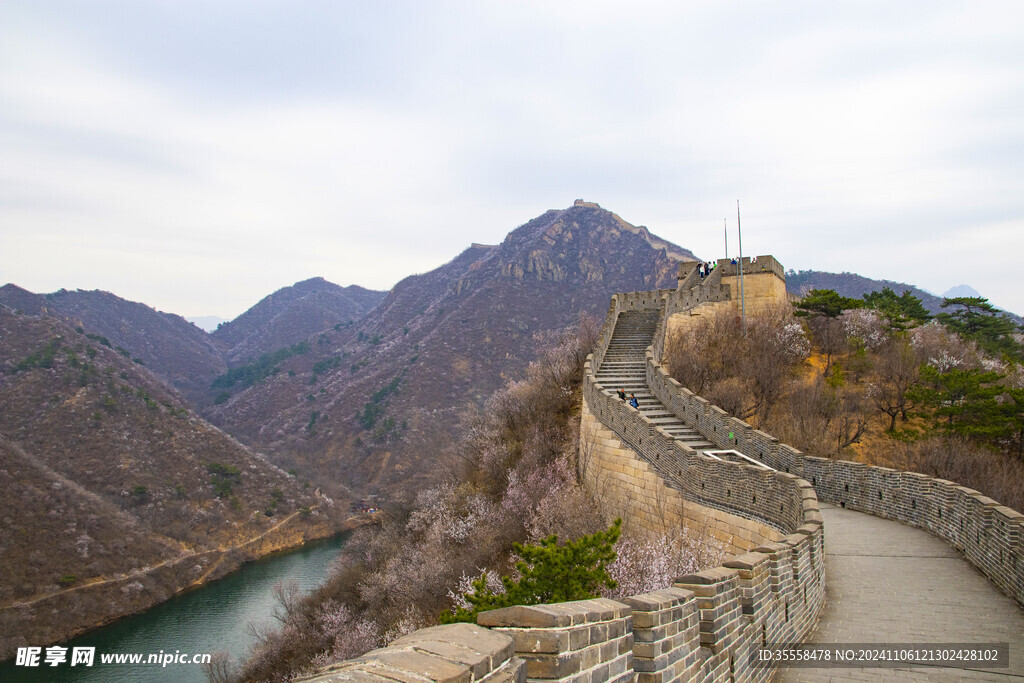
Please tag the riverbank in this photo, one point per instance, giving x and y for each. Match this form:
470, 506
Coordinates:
215, 619
61, 615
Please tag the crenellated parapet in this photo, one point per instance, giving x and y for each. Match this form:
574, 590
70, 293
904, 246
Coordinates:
772, 593
990, 535
710, 625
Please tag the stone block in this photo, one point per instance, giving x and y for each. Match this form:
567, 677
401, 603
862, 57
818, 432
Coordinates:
579, 638
347, 673
621, 665
539, 640
591, 656
544, 616
745, 562
513, 671
469, 644
421, 664
648, 650
551, 666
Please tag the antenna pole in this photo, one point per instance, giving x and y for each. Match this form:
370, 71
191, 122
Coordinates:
743, 301
725, 231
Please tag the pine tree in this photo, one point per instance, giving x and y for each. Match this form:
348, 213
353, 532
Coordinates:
964, 402
975, 318
548, 573
900, 312
826, 302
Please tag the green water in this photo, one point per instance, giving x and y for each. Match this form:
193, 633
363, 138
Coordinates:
211, 618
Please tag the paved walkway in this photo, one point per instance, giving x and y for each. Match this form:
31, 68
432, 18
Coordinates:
916, 589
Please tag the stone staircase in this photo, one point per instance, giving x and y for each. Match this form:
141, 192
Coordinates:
624, 367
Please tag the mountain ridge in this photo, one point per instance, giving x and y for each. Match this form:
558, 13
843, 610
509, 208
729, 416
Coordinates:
116, 494
856, 286
369, 402
292, 313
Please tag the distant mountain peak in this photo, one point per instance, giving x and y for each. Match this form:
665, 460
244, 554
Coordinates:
291, 314
960, 291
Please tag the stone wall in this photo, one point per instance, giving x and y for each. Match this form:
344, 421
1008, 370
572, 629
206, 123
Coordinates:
990, 535
457, 652
709, 625
630, 487
760, 291
771, 595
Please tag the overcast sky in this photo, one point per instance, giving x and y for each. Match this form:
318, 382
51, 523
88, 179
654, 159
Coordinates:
196, 156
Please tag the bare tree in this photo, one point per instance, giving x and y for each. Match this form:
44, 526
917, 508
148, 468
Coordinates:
702, 352
773, 346
219, 669
851, 419
745, 375
830, 336
897, 369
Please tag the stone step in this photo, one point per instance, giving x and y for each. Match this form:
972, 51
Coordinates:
663, 421
698, 445
624, 366
681, 430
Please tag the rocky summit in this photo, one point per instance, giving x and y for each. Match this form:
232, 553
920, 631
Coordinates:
366, 405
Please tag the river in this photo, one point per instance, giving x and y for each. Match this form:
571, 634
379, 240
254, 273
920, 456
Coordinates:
205, 620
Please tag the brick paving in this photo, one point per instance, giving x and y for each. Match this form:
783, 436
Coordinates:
890, 583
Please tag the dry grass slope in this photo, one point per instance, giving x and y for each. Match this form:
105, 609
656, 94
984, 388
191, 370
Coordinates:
114, 494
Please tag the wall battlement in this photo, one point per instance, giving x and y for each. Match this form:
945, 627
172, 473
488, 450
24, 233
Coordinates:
709, 626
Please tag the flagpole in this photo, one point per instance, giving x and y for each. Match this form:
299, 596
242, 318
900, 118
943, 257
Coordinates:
743, 301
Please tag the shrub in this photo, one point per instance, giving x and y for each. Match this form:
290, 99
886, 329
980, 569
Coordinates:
577, 570
265, 366
139, 494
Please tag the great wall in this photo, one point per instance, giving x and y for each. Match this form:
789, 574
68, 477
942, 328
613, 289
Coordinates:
679, 460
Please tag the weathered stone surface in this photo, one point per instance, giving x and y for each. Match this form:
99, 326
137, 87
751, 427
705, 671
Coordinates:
430, 666
708, 577
525, 616
747, 562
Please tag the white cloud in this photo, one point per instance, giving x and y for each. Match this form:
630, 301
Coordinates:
241, 149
